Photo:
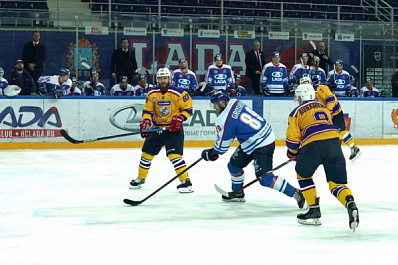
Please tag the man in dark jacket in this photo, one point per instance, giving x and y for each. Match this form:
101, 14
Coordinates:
394, 83
123, 62
33, 56
321, 53
23, 79
255, 61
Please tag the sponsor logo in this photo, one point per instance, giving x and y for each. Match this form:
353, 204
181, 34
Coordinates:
220, 76
127, 117
30, 116
394, 117
277, 74
184, 81
377, 56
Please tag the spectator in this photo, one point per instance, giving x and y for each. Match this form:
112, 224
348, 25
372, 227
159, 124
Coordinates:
255, 61
368, 91
166, 106
56, 85
394, 83
34, 55
239, 90
338, 80
123, 62
185, 78
3, 81
354, 89
74, 90
123, 88
298, 71
20, 77
219, 75
317, 74
142, 89
323, 56
93, 87
274, 77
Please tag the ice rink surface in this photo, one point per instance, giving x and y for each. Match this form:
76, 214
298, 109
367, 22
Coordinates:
66, 207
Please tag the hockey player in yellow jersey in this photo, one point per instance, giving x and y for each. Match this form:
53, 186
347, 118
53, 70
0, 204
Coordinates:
326, 97
168, 107
312, 140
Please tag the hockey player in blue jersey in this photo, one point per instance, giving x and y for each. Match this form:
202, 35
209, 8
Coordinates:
316, 73
257, 144
298, 71
274, 79
3, 81
339, 80
219, 76
185, 78
56, 85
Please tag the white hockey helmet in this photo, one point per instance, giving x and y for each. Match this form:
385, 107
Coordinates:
1, 72
305, 92
305, 79
163, 72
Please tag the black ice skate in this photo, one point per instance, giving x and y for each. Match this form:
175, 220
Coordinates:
298, 196
185, 186
137, 183
355, 153
236, 197
353, 213
312, 216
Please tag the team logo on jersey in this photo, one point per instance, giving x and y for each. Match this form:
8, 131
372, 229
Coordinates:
277, 74
87, 55
394, 117
184, 81
220, 76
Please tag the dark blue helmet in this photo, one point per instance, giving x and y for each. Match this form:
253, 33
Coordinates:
124, 79
340, 62
219, 95
63, 71
276, 54
218, 57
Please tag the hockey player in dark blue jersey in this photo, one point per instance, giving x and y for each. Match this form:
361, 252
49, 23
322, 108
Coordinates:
257, 144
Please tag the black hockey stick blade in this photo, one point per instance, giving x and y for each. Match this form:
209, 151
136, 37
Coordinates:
135, 203
237, 192
74, 141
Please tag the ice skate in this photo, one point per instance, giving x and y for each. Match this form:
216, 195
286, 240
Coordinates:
235, 198
312, 216
353, 213
298, 196
185, 186
355, 153
137, 183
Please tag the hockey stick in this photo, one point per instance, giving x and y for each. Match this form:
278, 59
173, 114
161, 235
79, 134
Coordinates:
135, 203
313, 45
74, 141
238, 192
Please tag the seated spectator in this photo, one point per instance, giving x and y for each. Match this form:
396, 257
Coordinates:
123, 88
56, 85
22, 78
354, 89
73, 90
3, 81
93, 87
239, 90
142, 89
368, 91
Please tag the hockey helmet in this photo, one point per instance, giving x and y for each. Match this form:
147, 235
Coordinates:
1, 72
304, 54
182, 60
63, 72
339, 62
219, 95
352, 78
142, 76
73, 79
94, 73
124, 79
305, 92
316, 58
276, 54
163, 72
305, 79
218, 57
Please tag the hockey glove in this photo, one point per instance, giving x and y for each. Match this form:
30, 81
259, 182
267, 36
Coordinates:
333, 88
266, 91
209, 155
348, 93
290, 88
291, 155
58, 94
176, 123
144, 126
232, 92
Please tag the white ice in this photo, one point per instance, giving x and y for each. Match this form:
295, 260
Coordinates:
66, 207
